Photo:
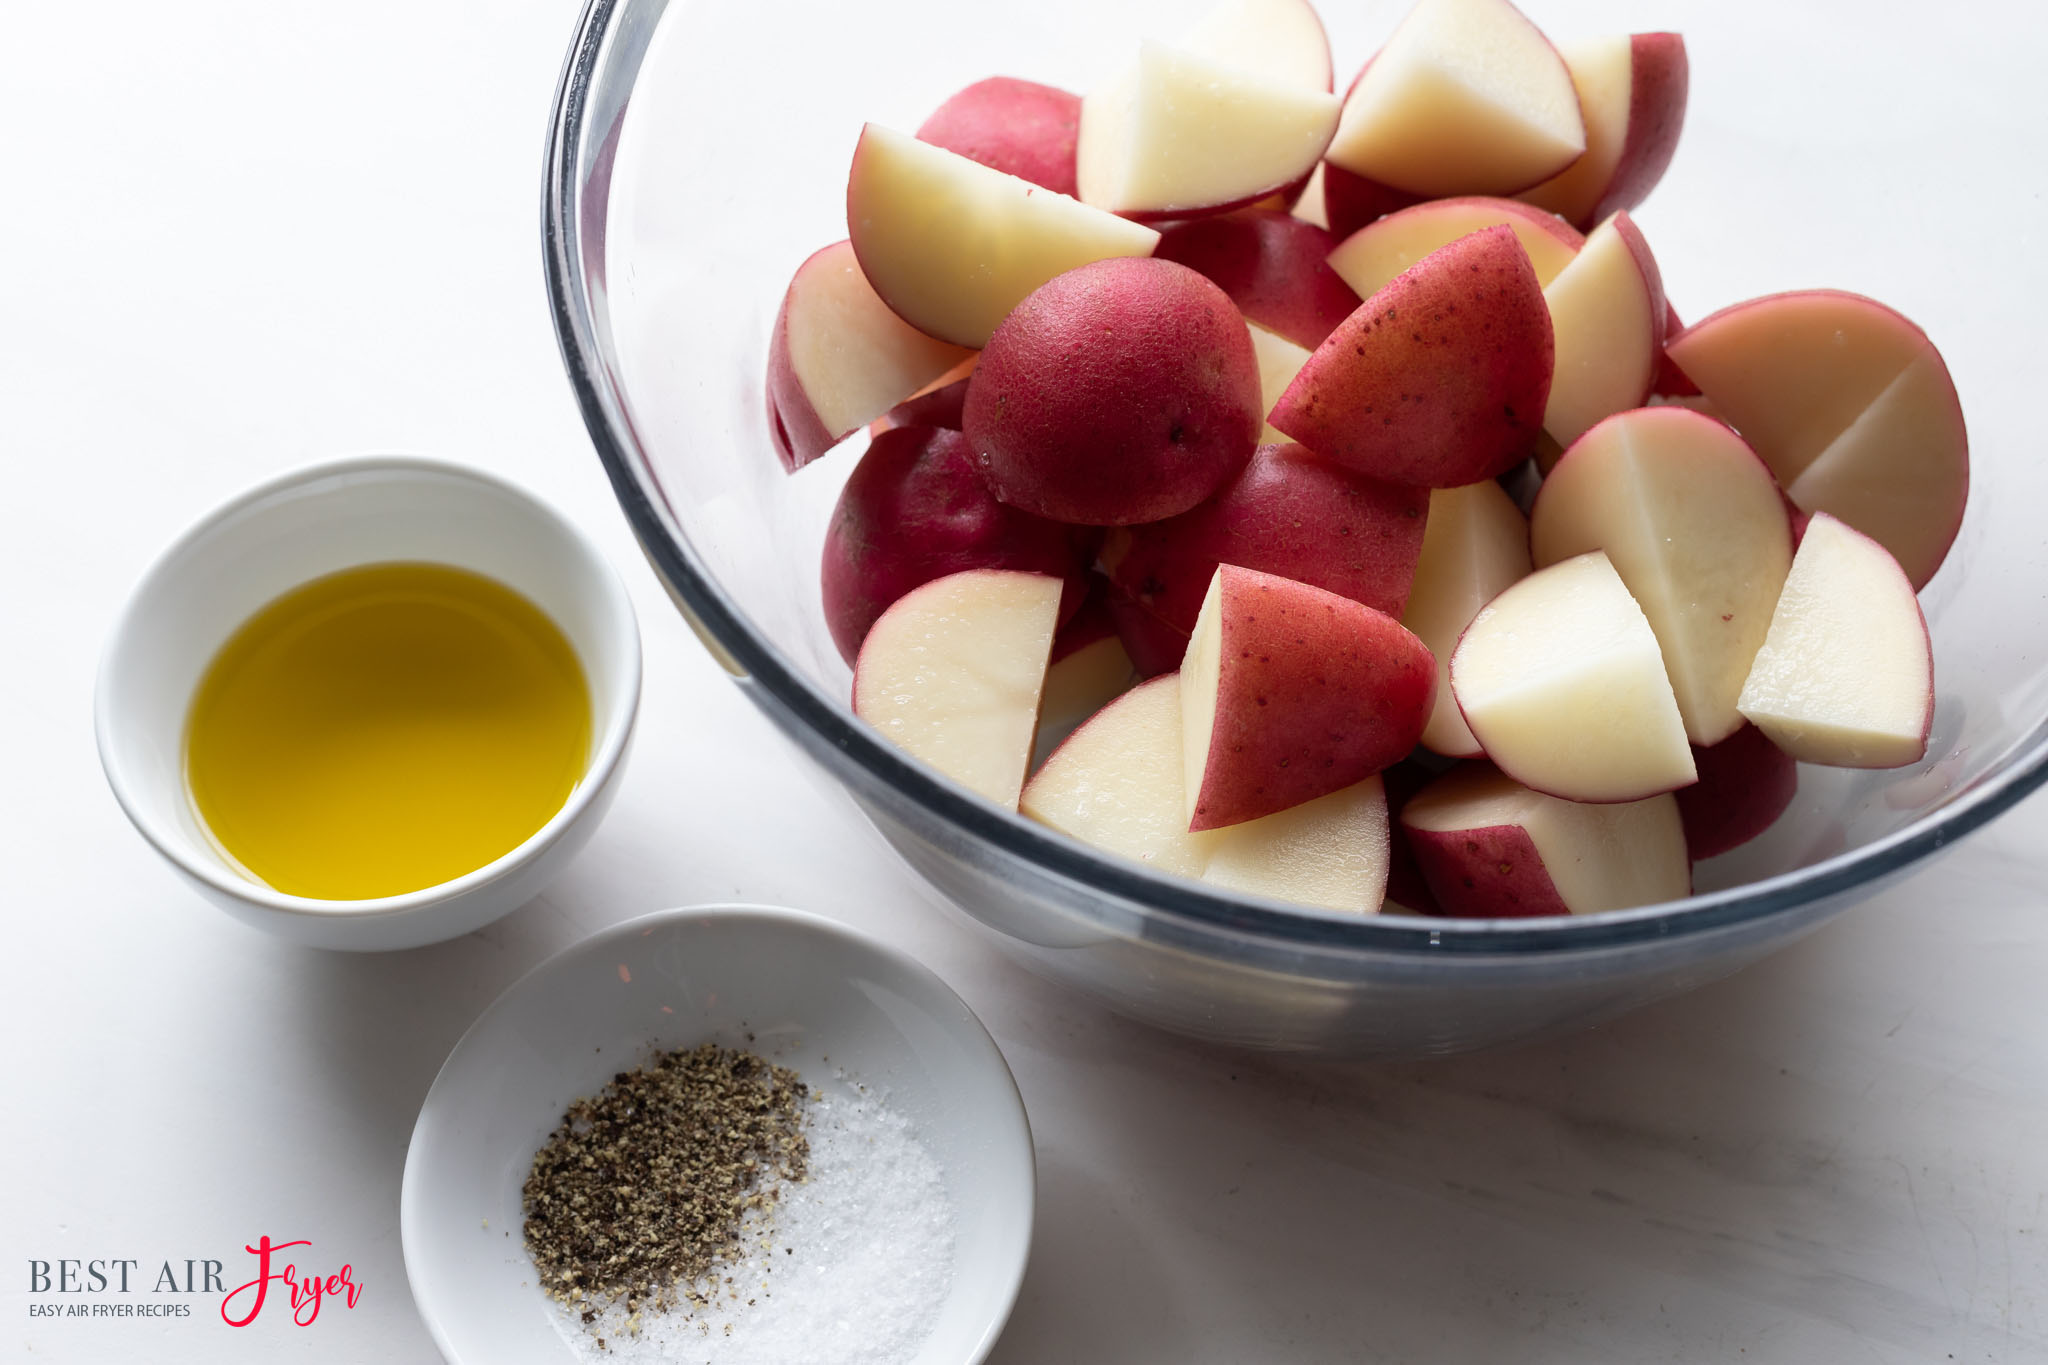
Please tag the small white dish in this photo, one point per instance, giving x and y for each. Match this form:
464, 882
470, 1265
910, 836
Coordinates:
794, 987
320, 520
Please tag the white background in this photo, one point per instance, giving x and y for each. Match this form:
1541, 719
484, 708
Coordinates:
240, 236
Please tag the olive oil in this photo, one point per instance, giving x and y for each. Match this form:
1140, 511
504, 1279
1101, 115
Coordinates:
385, 729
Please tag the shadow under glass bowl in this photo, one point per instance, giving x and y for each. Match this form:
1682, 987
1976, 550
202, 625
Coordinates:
684, 182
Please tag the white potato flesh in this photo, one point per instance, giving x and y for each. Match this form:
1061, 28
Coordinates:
1603, 73
952, 246
1851, 406
952, 672
1201, 672
1475, 545
1081, 684
1276, 40
1892, 475
1467, 97
1372, 256
1846, 675
1331, 851
1563, 684
1279, 361
1118, 784
853, 357
1694, 524
1607, 315
1177, 133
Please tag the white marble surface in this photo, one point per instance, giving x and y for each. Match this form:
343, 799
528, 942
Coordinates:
1839, 1155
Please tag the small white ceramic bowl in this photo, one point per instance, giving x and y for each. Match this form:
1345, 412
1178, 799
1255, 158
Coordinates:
318, 521
795, 988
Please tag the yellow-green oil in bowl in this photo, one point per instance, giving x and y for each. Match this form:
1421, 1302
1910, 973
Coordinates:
385, 729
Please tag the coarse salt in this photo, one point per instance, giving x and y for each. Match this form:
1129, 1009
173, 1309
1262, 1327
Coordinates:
850, 1266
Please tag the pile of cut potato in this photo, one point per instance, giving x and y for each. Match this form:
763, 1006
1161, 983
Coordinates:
1334, 469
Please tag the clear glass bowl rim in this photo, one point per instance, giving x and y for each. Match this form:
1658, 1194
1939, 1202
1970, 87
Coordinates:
807, 706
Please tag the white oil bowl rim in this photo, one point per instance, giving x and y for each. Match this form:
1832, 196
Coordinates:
604, 757
988, 1055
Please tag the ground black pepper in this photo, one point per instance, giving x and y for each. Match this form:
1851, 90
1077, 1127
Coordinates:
645, 1186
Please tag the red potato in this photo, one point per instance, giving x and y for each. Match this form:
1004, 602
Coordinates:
1850, 405
1692, 521
1279, 361
1562, 682
1116, 784
839, 357
1181, 133
1466, 97
1407, 891
1279, 40
1154, 646
1196, 124
1370, 258
1746, 782
952, 245
1289, 693
1020, 128
1437, 380
1525, 480
1307, 205
1607, 315
952, 672
1632, 94
1289, 513
1272, 265
1475, 548
1671, 381
1121, 392
1087, 627
1088, 669
1350, 201
1846, 673
916, 509
943, 406
1491, 848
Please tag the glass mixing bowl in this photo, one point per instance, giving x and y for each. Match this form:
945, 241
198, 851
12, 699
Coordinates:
698, 152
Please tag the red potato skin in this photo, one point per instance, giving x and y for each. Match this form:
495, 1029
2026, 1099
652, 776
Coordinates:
1350, 201
1121, 392
1289, 513
1746, 782
943, 407
1163, 219
1406, 886
1313, 693
1154, 646
915, 509
1091, 624
1670, 381
1492, 872
1658, 83
1439, 379
1653, 279
793, 424
1018, 127
1274, 267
